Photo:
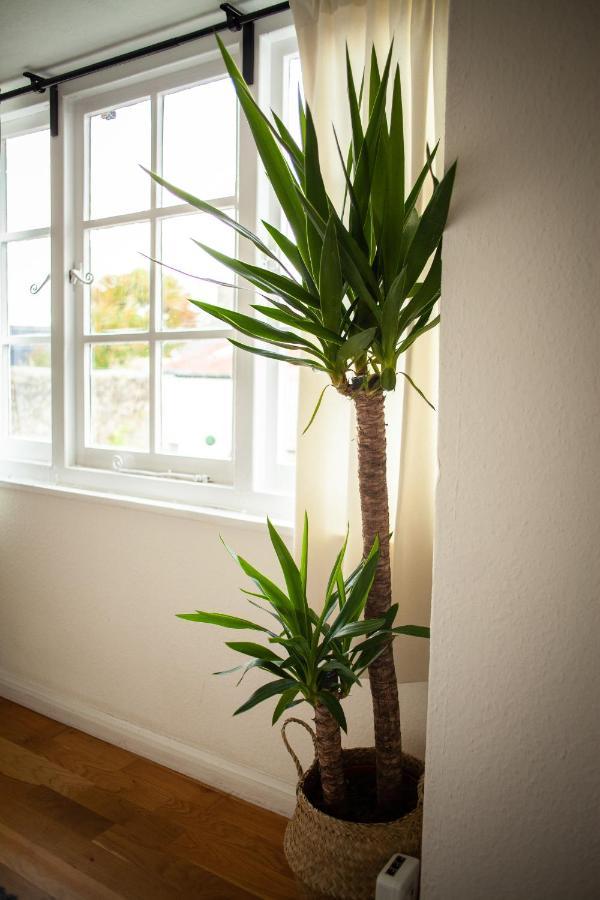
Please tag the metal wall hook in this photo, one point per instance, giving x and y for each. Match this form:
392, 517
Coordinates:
36, 288
77, 276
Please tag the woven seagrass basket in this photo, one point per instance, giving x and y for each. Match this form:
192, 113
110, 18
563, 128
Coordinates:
334, 858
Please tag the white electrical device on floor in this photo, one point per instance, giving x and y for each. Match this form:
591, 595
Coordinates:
399, 879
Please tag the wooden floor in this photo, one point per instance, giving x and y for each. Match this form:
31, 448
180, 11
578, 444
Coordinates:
80, 818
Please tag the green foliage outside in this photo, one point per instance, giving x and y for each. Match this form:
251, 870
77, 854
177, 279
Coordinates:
121, 303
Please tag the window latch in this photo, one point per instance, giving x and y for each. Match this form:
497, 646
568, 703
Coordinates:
76, 276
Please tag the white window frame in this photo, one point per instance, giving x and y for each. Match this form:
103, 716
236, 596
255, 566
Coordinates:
235, 486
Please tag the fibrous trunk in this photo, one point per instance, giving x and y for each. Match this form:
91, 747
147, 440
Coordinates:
372, 476
331, 765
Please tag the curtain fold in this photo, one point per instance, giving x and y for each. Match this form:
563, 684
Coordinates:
326, 475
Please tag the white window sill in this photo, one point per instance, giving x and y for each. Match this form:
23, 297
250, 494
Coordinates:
208, 514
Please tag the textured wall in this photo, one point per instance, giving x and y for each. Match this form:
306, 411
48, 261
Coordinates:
88, 593
513, 792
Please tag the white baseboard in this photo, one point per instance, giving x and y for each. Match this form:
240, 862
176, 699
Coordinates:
241, 781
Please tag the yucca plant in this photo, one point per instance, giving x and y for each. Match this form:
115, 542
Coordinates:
353, 290
316, 656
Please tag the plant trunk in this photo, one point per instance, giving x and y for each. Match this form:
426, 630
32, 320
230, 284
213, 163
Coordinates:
331, 765
372, 476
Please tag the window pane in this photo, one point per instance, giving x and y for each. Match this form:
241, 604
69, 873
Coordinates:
30, 387
28, 265
119, 400
178, 250
199, 140
197, 398
119, 143
28, 181
120, 294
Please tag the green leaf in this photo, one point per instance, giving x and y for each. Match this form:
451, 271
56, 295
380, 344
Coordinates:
291, 574
280, 176
416, 333
292, 253
357, 130
390, 318
335, 708
359, 592
394, 210
271, 689
286, 701
417, 389
221, 619
286, 139
250, 649
213, 211
364, 626
413, 630
356, 344
331, 285
264, 279
316, 409
431, 227
304, 553
292, 360
255, 328
412, 198
427, 294
302, 324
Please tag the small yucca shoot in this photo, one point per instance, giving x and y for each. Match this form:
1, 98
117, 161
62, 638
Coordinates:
316, 655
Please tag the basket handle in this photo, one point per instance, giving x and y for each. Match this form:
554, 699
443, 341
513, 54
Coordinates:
313, 736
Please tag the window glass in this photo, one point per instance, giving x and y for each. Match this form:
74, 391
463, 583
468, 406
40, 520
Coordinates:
120, 293
28, 286
119, 395
30, 387
199, 150
197, 398
179, 252
28, 181
119, 142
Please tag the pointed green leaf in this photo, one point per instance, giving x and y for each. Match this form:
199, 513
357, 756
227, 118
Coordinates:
256, 650
221, 619
271, 689
335, 708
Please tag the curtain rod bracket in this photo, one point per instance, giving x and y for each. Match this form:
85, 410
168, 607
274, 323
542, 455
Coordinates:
233, 15
236, 22
37, 82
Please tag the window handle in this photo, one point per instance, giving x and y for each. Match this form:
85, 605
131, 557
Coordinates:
36, 288
76, 275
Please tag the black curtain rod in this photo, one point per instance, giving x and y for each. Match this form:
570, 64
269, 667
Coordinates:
235, 21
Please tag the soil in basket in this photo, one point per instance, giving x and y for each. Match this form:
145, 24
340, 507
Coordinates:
362, 796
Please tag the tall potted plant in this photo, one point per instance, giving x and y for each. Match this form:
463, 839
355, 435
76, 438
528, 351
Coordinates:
356, 288
317, 656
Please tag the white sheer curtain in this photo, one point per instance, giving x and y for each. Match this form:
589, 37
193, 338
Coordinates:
326, 467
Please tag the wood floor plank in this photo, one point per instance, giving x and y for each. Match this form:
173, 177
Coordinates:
187, 880
83, 819
262, 871
19, 887
47, 871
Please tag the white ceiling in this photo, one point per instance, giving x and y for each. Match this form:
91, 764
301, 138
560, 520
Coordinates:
42, 35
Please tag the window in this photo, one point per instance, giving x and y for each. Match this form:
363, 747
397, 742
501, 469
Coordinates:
25, 293
148, 396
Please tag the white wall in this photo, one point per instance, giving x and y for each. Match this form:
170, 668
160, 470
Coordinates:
513, 791
88, 596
